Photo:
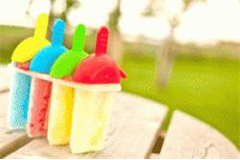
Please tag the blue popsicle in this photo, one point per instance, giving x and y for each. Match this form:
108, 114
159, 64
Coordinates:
41, 90
19, 100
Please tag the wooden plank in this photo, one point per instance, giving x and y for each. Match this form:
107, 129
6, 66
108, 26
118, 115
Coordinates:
4, 78
154, 156
135, 122
3, 111
9, 140
188, 138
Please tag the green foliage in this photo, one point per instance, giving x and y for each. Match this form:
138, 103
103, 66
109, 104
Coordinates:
69, 5
155, 6
114, 17
188, 3
152, 8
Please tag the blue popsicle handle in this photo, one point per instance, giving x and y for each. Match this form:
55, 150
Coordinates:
58, 32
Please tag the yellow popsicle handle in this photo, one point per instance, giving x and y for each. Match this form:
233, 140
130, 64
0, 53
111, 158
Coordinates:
26, 50
41, 26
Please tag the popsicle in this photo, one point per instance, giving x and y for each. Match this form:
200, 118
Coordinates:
20, 83
91, 111
40, 92
60, 117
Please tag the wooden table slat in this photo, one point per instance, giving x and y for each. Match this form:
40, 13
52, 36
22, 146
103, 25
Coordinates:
9, 140
4, 78
134, 125
188, 138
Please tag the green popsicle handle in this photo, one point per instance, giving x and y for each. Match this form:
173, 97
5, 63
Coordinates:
79, 38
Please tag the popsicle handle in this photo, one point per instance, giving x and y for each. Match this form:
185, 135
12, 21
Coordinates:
58, 32
41, 26
79, 38
102, 41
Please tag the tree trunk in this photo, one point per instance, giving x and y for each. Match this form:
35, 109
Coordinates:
165, 58
115, 40
115, 46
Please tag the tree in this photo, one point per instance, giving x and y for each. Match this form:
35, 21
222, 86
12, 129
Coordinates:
70, 4
115, 42
165, 56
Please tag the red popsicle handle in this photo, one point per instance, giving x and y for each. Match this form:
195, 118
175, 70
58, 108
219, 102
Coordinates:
102, 41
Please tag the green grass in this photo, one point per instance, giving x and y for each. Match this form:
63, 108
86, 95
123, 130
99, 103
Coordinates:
9, 38
206, 88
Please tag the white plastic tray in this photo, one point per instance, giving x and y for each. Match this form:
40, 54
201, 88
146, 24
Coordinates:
78, 86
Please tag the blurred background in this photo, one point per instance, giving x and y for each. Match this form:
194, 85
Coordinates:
182, 53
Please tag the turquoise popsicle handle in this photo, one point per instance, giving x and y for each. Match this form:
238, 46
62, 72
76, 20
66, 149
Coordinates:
58, 32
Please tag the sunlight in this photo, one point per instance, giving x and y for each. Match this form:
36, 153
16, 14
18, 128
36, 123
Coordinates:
203, 23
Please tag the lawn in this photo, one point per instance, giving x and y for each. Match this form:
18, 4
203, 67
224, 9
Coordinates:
206, 88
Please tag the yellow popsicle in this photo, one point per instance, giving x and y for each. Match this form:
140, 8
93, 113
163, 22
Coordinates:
91, 114
62, 97
60, 119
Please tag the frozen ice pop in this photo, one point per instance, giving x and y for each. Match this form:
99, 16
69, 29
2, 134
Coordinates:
20, 85
60, 116
91, 111
40, 92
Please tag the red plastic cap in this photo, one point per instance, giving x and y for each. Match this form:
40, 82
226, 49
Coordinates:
99, 68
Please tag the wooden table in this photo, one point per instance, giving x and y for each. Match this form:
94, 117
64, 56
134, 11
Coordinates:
134, 132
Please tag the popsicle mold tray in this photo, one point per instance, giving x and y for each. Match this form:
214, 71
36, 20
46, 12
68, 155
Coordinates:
63, 94
67, 82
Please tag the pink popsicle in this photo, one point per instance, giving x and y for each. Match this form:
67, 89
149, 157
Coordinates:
38, 115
